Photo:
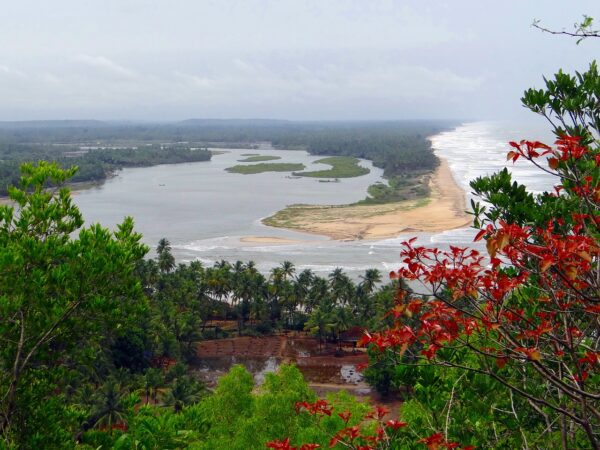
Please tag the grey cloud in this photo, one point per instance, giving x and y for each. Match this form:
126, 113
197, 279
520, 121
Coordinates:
299, 59
105, 64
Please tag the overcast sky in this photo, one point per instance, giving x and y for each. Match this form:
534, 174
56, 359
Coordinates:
286, 59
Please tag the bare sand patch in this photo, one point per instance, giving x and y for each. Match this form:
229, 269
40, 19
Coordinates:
443, 210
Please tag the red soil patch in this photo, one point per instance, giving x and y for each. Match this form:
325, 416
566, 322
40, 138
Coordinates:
245, 346
319, 364
322, 366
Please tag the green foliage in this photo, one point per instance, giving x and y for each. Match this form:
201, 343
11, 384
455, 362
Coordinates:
154, 429
93, 165
396, 147
184, 391
399, 188
569, 103
581, 30
61, 293
341, 167
236, 418
265, 167
43, 421
237, 415
258, 158
471, 396
166, 261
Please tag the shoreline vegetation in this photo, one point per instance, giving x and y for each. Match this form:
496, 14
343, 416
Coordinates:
252, 169
96, 164
259, 158
341, 167
444, 209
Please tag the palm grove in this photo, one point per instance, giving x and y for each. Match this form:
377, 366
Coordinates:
86, 318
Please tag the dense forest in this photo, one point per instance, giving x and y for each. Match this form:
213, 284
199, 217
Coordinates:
400, 148
118, 331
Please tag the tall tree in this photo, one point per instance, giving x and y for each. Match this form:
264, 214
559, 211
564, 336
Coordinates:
57, 288
166, 260
527, 314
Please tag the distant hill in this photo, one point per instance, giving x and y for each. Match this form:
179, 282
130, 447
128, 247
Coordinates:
232, 123
11, 125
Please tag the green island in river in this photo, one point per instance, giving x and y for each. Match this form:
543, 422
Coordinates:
341, 167
258, 158
265, 167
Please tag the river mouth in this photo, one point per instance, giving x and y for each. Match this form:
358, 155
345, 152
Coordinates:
324, 366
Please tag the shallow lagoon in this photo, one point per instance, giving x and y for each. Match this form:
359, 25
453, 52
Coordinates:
204, 211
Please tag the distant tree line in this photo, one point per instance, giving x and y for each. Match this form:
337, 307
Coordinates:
400, 148
94, 164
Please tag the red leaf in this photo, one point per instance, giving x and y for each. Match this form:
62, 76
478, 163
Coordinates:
280, 445
501, 362
345, 416
479, 235
395, 424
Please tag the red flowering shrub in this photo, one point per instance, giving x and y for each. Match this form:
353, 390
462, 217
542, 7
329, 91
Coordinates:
527, 312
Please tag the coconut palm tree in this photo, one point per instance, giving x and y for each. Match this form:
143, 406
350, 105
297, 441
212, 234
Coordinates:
166, 261
251, 266
184, 391
303, 284
342, 288
318, 294
108, 406
369, 280
343, 319
153, 380
362, 302
287, 269
319, 323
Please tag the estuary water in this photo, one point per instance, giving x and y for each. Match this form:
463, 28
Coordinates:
204, 211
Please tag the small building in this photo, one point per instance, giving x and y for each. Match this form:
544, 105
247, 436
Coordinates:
350, 337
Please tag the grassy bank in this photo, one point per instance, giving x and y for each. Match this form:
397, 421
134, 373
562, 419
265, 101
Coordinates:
341, 167
265, 167
258, 158
398, 189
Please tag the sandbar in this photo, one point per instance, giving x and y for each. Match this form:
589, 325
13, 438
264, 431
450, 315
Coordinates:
443, 210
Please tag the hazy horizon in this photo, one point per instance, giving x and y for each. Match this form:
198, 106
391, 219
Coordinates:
133, 60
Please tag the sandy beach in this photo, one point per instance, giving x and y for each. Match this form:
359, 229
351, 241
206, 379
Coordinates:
443, 210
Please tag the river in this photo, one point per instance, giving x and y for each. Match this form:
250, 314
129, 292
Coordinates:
204, 210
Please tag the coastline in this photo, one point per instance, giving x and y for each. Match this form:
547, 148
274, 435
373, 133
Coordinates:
443, 210
76, 188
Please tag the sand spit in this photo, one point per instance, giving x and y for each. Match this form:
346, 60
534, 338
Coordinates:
443, 210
